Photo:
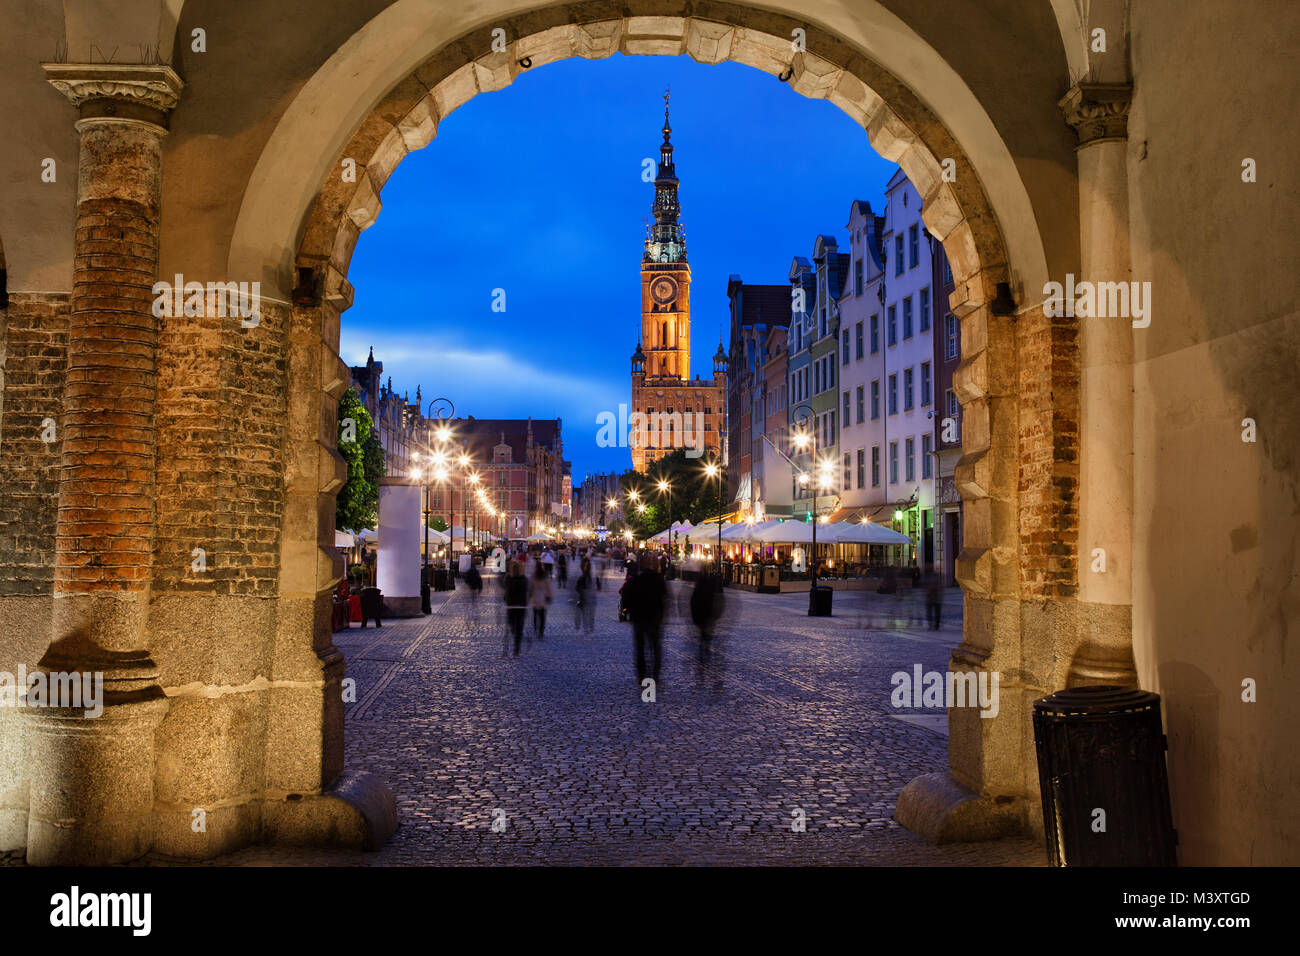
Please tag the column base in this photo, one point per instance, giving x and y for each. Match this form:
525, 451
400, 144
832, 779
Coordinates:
357, 812
940, 810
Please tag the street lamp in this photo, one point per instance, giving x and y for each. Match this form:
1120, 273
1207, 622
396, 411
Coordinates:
666, 488
714, 471
807, 438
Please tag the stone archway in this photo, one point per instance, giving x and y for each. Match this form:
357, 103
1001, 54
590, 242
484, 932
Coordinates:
1017, 382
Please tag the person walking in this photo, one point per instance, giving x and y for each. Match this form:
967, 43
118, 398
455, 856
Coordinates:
587, 586
540, 593
933, 601
647, 594
562, 569
548, 559
516, 595
474, 581
706, 608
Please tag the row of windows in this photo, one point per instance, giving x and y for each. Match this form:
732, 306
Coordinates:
908, 392
952, 330
909, 463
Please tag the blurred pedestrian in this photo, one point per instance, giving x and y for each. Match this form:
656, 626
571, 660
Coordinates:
587, 586
562, 569
647, 594
474, 581
540, 593
933, 600
516, 597
706, 607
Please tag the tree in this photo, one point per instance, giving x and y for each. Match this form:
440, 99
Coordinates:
357, 505
694, 495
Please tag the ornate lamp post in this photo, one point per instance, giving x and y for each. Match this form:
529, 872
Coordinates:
807, 438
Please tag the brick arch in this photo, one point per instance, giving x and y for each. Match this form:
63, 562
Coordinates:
1018, 473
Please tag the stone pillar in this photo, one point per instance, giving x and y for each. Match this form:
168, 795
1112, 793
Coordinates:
1099, 114
92, 778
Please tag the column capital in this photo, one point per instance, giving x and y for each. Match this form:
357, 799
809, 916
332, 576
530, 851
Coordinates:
133, 90
1097, 111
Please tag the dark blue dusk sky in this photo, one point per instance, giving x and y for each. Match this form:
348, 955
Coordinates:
537, 190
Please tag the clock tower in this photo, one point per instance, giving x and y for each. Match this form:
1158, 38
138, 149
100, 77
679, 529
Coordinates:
666, 277
671, 409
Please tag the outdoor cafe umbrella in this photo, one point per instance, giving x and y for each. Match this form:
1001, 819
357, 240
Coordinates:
855, 532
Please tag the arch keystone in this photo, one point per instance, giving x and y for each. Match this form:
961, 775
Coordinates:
654, 36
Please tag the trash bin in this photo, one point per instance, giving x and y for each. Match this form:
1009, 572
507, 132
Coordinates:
372, 606
1101, 770
819, 601
769, 581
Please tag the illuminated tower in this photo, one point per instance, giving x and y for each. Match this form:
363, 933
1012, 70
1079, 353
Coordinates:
666, 277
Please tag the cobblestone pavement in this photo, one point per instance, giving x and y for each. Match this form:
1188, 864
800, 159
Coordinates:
792, 714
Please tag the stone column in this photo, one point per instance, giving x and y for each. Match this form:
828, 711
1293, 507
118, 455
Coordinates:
92, 777
1099, 114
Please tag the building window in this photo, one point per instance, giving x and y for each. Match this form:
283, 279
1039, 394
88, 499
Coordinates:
844, 338
875, 466
898, 254
848, 471
875, 334
907, 389
830, 367
817, 376
875, 399
947, 271
925, 383
862, 468
846, 408
910, 465
860, 408
925, 309
858, 340
952, 333
857, 277
823, 326
926, 443
893, 462
893, 394
914, 245
891, 325
950, 400
907, 318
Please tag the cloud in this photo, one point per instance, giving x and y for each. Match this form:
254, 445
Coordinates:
486, 383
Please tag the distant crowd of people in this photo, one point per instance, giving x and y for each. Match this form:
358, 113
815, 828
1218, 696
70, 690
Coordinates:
532, 579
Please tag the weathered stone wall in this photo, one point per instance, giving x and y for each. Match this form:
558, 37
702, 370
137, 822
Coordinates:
33, 355
33, 360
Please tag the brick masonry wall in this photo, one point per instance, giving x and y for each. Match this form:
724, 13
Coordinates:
221, 422
1049, 455
33, 355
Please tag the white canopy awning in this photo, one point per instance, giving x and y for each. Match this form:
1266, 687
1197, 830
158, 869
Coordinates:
855, 532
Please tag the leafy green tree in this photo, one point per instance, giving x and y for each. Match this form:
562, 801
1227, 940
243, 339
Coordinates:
694, 495
357, 505
437, 523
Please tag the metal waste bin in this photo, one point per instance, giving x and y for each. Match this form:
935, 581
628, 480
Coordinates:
1101, 768
770, 580
819, 601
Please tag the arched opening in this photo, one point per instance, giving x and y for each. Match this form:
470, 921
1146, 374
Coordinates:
992, 759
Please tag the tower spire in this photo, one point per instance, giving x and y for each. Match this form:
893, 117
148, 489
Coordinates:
666, 241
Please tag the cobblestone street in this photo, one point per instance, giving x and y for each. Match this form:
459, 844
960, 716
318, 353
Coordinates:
791, 714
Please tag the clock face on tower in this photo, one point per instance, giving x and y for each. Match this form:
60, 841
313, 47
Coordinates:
663, 289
